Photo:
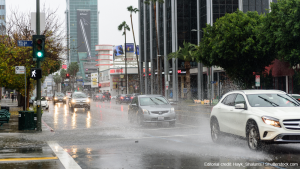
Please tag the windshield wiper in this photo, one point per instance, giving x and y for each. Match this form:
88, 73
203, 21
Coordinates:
160, 100
272, 103
153, 101
288, 100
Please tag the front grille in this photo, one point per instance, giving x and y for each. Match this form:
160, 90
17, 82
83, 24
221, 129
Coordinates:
159, 112
293, 124
291, 137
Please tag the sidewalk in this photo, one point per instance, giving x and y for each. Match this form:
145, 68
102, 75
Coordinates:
193, 107
17, 148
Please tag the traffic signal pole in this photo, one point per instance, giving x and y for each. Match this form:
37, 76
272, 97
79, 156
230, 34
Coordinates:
38, 65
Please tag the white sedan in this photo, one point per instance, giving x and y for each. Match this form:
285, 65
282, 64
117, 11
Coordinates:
261, 116
44, 103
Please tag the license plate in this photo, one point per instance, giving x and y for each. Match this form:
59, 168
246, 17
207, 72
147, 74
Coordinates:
127, 98
160, 118
81, 104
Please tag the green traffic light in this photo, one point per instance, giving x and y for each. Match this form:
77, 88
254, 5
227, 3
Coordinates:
39, 54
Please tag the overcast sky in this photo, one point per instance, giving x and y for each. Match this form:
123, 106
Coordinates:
112, 13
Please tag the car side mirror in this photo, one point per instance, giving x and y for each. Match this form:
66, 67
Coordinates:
240, 106
133, 105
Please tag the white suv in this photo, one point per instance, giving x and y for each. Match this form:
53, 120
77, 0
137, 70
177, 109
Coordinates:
261, 116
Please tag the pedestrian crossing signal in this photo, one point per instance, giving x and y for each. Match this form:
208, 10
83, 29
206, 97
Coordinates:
67, 75
36, 73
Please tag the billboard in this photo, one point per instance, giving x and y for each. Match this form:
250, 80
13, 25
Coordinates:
129, 47
84, 31
118, 50
137, 50
64, 67
94, 80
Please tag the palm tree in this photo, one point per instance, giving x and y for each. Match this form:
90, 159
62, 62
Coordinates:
124, 26
57, 80
187, 54
131, 9
158, 60
72, 70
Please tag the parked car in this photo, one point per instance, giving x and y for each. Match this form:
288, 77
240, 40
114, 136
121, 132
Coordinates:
79, 100
59, 97
151, 109
260, 116
124, 98
44, 102
98, 97
31, 100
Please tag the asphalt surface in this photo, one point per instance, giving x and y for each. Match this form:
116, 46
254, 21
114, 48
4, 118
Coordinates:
103, 138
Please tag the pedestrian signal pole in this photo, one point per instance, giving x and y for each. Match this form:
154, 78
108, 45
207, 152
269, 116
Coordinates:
38, 65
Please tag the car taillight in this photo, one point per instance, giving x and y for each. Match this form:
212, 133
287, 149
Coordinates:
122, 97
131, 97
110, 96
96, 96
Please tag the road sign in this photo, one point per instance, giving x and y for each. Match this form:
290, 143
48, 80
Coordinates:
257, 80
167, 87
167, 83
184, 90
24, 43
19, 70
213, 82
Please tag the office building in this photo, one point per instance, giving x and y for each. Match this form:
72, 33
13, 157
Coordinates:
175, 20
2, 17
82, 31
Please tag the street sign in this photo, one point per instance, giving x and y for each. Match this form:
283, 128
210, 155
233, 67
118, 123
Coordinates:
213, 82
24, 43
167, 83
167, 87
19, 70
257, 80
184, 90
36, 73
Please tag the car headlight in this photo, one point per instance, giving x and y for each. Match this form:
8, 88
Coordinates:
146, 111
271, 121
73, 101
87, 100
65, 98
172, 110
55, 98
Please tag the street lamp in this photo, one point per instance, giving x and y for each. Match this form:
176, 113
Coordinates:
209, 73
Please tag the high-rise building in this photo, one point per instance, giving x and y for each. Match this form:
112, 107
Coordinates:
2, 17
82, 32
175, 21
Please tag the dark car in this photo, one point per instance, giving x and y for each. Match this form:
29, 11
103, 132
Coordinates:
124, 98
106, 96
151, 109
98, 97
59, 97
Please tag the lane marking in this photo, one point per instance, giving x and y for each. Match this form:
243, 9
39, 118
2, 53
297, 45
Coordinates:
29, 159
64, 157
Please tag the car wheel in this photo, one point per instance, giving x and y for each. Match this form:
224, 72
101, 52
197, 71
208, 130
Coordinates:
172, 123
140, 119
253, 137
215, 131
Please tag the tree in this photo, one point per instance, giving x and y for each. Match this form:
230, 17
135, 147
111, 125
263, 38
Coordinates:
18, 28
233, 43
124, 26
280, 31
158, 60
131, 9
187, 54
72, 70
63, 73
57, 79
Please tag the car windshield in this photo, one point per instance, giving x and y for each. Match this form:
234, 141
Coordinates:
79, 95
60, 95
272, 100
148, 101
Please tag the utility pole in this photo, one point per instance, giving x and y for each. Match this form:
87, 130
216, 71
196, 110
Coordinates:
38, 65
125, 64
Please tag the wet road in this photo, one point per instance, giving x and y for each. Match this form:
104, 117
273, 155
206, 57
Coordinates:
103, 138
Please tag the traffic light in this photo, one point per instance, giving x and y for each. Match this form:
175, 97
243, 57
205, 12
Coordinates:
99, 85
38, 47
67, 76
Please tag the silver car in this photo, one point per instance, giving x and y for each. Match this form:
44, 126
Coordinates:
151, 109
79, 100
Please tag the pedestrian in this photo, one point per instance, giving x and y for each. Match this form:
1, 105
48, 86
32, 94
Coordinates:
12, 97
